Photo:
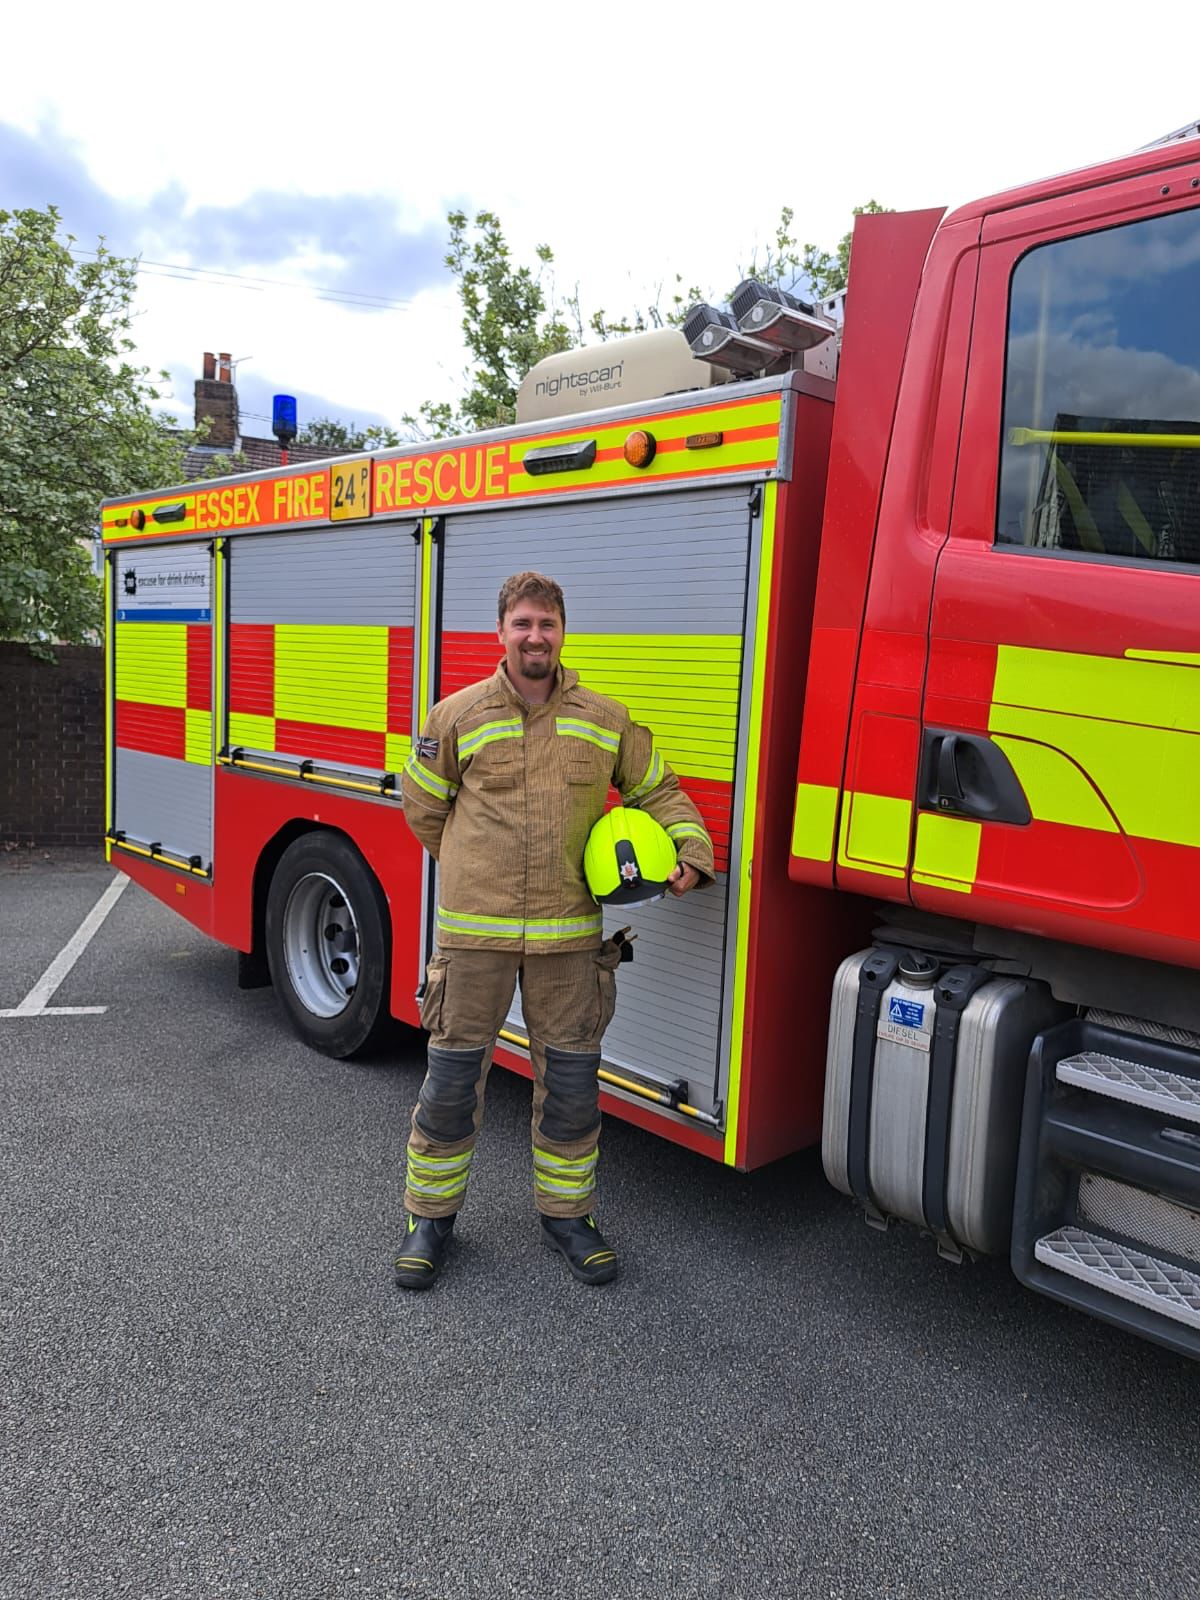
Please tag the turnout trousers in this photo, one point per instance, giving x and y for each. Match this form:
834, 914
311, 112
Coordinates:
567, 999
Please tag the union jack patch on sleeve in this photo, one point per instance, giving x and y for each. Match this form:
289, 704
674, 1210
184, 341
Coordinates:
427, 747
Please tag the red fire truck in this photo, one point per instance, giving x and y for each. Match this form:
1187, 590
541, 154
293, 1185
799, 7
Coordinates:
910, 599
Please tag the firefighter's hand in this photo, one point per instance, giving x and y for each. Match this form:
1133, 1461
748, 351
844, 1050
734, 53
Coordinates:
683, 879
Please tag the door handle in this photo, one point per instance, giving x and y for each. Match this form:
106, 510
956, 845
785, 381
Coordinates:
967, 775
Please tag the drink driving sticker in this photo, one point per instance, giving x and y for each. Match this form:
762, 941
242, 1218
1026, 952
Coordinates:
168, 583
905, 1023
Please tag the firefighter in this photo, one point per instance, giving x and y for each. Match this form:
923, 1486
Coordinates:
503, 788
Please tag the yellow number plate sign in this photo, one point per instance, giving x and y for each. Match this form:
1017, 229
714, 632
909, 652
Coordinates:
350, 486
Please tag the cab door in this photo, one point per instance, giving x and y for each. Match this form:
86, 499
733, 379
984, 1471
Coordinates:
1061, 717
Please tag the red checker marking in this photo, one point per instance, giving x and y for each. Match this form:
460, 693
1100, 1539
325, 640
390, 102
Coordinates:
155, 730
252, 668
467, 658
400, 677
199, 667
316, 741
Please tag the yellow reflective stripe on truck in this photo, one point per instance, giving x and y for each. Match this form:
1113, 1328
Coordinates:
743, 856
611, 467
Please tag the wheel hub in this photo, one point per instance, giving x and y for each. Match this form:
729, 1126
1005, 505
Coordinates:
321, 944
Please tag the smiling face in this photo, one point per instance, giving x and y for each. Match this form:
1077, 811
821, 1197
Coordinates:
532, 635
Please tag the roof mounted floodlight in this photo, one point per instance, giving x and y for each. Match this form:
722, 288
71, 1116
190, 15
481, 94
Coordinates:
778, 317
715, 336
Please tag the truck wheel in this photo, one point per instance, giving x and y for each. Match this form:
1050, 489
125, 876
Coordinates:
329, 945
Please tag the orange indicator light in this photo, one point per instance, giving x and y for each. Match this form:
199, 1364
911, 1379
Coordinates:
640, 447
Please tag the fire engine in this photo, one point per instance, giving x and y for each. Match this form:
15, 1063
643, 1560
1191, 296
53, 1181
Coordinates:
907, 585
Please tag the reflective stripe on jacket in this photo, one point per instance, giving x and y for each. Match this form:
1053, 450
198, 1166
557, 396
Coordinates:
504, 794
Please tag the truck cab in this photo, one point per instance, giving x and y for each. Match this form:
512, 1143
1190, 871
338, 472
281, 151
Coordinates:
1001, 736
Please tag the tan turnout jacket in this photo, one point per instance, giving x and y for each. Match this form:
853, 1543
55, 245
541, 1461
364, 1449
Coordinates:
504, 794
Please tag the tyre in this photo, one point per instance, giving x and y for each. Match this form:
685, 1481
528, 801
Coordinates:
329, 945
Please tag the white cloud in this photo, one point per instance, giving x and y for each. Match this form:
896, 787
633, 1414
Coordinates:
637, 139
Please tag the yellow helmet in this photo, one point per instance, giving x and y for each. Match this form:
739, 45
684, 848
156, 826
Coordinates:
628, 859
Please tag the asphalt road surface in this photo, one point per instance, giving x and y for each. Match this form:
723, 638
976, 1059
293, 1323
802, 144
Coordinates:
209, 1386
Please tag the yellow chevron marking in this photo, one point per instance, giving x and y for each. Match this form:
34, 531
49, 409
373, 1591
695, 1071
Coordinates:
814, 821
256, 733
198, 737
874, 834
332, 675
683, 686
1056, 788
1158, 692
398, 748
947, 852
1127, 724
151, 662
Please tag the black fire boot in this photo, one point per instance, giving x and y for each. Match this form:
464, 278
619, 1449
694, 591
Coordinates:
590, 1257
420, 1258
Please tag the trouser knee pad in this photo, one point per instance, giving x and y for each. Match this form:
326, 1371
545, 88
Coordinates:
446, 1104
571, 1110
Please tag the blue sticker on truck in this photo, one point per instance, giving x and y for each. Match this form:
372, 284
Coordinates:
909, 1013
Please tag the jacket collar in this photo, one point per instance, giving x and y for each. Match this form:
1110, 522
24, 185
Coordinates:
565, 680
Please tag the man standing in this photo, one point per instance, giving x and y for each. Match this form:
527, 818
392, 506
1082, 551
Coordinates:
504, 785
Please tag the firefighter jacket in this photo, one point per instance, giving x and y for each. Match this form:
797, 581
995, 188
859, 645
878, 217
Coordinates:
504, 794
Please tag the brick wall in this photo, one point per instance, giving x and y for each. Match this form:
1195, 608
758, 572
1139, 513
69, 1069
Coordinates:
51, 746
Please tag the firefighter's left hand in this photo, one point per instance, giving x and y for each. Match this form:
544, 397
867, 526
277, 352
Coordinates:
683, 879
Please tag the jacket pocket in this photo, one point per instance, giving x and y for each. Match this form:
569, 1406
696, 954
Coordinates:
433, 1001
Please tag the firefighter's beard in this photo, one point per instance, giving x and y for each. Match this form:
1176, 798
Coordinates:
536, 666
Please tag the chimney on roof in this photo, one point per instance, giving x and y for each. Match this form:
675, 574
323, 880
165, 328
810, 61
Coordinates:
216, 402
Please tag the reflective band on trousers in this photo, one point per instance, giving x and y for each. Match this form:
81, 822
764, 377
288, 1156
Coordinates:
573, 728
438, 1177
651, 781
488, 733
562, 1177
427, 781
516, 927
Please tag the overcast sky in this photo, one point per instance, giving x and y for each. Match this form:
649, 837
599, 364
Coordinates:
319, 147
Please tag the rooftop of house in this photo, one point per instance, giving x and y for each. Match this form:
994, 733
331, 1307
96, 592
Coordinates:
217, 416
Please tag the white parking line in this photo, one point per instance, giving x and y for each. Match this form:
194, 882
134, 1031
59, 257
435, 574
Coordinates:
34, 1003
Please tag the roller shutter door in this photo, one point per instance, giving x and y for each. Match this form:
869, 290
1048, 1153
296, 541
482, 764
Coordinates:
655, 589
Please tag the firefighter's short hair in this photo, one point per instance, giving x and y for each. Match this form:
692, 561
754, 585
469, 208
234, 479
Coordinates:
529, 586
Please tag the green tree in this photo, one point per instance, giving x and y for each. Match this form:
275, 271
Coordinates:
510, 321
341, 438
75, 424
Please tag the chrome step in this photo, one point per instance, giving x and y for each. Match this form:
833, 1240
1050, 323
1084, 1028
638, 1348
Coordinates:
1151, 1087
1129, 1274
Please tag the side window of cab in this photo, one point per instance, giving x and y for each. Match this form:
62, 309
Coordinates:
1100, 452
